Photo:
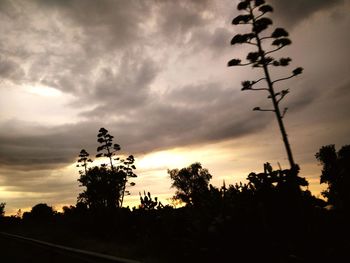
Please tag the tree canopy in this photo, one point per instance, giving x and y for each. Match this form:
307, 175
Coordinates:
191, 183
335, 173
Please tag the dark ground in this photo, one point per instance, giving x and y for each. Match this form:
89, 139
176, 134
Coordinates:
14, 251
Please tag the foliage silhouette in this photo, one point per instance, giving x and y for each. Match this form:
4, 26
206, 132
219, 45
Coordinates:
2, 209
336, 173
191, 183
147, 203
106, 141
39, 213
254, 12
84, 160
105, 185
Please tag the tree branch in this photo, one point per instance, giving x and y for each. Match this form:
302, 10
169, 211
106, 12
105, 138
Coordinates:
284, 112
277, 80
255, 82
246, 64
251, 43
274, 50
258, 89
263, 38
259, 109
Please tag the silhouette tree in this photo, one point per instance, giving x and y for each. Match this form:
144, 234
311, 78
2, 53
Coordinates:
2, 209
84, 160
191, 183
128, 168
286, 182
40, 213
110, 149
103, 188
147, 203
254, 12
106, 141
105, 185
336, 173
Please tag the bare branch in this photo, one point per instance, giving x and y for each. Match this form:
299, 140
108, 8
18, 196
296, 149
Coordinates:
251, 43
255, 82
274, 50
283, 93
248, 85
237, 62
260, 89
263, 38
284, 112
246, 64
261, 15
259, 109
277, 80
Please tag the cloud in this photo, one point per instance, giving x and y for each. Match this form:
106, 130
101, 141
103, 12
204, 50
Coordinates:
290, 13
10, 70
124, 88
117, 21
189, 115
29, 146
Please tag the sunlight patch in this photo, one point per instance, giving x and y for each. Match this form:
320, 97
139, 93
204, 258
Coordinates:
43, 91
162, 159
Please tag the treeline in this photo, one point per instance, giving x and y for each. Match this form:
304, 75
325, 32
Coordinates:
270, 217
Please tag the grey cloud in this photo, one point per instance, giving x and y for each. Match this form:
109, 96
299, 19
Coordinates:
43, 181
123, 88
216, 42
109, 24
94, 32
175, 19
40, 147
8, 9
190, 115
290, 13
341, 90
159, 124
220, 39
10, 70
105, 22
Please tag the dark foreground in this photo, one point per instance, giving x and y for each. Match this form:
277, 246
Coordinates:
17, 250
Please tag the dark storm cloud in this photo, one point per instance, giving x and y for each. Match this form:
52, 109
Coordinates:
92, 50
292, 12
43, 181
117, 21
341, 90
176, 18
124, 89
189, 115
29, 146
10, 70
122, 23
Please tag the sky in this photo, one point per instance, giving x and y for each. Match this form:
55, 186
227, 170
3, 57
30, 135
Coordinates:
154, 74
